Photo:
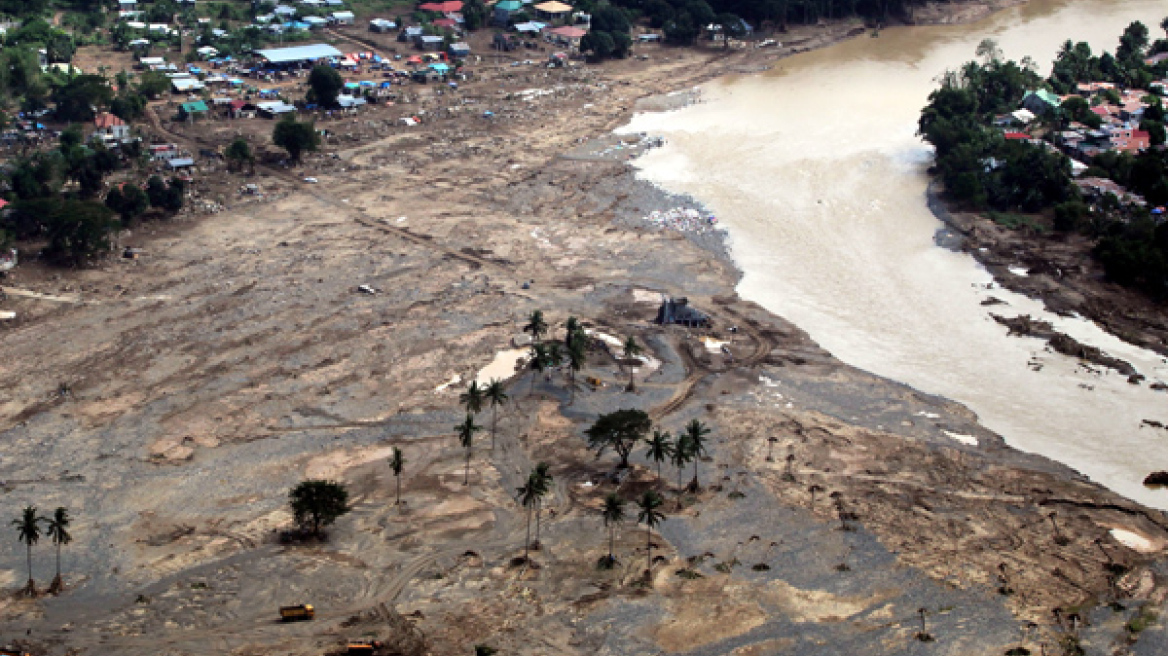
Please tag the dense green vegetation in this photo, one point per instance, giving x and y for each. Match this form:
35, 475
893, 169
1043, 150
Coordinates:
981, 169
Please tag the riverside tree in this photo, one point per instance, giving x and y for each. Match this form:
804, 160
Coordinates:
317, 503
660, 449
619, 431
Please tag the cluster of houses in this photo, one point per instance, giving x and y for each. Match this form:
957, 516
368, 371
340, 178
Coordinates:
1118, 130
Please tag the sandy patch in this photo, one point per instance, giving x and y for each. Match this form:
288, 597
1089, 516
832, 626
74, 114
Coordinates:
713, 345
698, 620
765, 648
1135, 541
813, 605
7, 578
454, 380
967, 440
331, 465
647, 296
503, 366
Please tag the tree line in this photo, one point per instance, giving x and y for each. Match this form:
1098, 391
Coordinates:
983, 170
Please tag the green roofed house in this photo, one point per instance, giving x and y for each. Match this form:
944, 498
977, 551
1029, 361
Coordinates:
193, 109
504, 10
1041, 101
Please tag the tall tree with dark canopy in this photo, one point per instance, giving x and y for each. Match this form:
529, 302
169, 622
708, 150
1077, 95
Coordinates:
324, 85
28, 528
619, 431
613, 514
650, 516
316, 504
396, 463
295, 137
58, 530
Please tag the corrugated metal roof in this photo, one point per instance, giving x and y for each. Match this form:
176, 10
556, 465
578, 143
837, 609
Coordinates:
299, 53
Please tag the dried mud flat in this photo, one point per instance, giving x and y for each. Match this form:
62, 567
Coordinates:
238, 358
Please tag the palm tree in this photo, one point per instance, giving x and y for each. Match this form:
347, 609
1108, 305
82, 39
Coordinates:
536, 325
695, 435
577, 355
543, 484
466, 431
539, 363
572, 329
660, 448
496, 393
58, 530
613, 513
396, 463
680, 458
649, 516
814, 489
632, 350
528, 497
472, 398
28, 526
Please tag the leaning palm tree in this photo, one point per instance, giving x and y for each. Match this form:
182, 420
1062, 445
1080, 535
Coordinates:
496, 393
528, 498
542, 476
613, 513
632, 349
536, 325
660, 448
397, 462
472, 398
649, 502
28, 527
695, 435
58, 530
466, 431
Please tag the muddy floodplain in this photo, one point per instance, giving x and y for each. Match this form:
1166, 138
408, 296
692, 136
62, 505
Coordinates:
171, 401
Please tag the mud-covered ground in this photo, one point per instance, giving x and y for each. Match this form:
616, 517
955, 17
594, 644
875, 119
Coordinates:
171, 401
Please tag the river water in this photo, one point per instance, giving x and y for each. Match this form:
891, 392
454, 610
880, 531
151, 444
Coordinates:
816, 172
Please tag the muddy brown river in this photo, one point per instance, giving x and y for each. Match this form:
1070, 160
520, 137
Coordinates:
815, 170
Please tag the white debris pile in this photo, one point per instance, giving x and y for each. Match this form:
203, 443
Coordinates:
683, 219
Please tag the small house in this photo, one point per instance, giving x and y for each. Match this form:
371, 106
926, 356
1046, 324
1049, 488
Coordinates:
109, 126
284, 11
194, 109
410, 34
677, 311
314, 22
275, 108
381, 25
180, 164
458, 50
504, 9
553, 10
342, 17
429, 42
1041, 102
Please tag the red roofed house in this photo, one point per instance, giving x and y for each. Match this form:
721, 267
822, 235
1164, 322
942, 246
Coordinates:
446, 22
110, 127
1016, 136
566, 35
449, 6
1131, 141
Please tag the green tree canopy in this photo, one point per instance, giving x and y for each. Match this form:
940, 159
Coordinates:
324, 85
619, 431
317, 503
295, 137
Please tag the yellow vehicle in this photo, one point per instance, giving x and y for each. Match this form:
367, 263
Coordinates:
300, 612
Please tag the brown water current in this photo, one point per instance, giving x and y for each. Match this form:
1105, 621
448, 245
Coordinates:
815, 170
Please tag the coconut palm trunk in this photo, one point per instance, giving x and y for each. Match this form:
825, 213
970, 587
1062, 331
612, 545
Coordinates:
648, 548
611, 543
527, 542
